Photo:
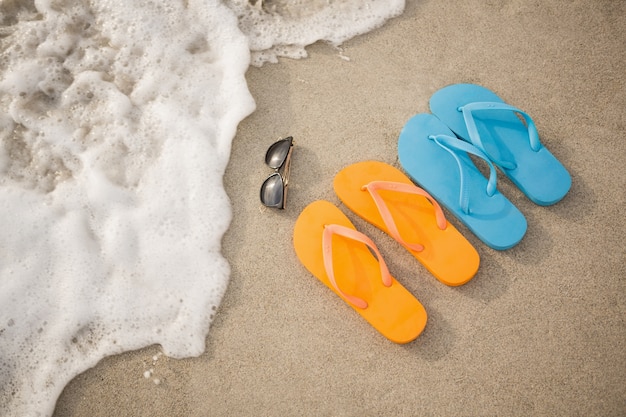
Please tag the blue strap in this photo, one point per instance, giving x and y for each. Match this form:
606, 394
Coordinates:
470, 123
452, 145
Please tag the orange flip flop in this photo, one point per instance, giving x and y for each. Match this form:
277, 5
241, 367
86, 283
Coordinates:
330, 247
385, 197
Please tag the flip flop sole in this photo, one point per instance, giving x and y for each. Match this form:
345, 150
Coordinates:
447, 254
393, 310
494, 219
538, 174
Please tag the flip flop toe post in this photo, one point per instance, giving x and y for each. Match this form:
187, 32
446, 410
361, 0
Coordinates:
349, 263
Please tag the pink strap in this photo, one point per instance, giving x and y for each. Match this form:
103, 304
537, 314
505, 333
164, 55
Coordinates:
327, 251
373, 188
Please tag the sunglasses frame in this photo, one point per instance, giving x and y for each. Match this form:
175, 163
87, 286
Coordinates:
280, 176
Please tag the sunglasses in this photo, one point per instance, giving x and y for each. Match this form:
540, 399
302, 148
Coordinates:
274, 188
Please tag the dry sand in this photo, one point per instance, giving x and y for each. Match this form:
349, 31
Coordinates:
541, 329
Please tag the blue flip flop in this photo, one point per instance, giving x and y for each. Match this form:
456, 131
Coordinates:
507, 135
436, 159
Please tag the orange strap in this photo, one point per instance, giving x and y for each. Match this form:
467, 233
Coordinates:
373, 188
327, 251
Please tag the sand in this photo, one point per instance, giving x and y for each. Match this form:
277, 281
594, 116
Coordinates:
541, 329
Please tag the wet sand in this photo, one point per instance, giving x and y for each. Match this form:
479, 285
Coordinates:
539, 331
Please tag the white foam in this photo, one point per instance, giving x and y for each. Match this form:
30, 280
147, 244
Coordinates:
116, 121
282, 28
116, 129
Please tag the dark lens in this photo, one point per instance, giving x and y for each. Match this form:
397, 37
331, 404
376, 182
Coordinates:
272, 191
276, 154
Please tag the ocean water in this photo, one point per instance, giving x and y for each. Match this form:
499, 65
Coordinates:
116, 123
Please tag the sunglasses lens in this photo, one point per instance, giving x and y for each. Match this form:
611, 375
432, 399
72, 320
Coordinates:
277, 153
272, 191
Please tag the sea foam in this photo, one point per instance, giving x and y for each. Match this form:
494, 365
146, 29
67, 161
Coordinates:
282, 28
116, 122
